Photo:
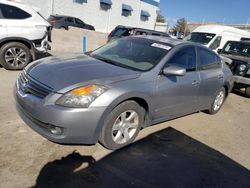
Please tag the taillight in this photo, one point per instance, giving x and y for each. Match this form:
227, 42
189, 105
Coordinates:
52, 22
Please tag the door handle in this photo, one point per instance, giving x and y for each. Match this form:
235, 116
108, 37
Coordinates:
220, 76
195, 83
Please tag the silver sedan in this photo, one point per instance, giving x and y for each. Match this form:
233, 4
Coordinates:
110, 94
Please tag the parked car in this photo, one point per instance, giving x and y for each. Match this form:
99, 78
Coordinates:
64, 22
216, 36
238, 53
125, 85
124, 31
23, 33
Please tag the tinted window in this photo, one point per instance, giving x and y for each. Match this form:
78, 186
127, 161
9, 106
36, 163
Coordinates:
208, 60
185, 58
156, 34
69, 20
121, 32
203, 38
216, 43
11, 12
78, 21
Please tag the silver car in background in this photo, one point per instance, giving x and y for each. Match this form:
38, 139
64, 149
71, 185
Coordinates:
113, 92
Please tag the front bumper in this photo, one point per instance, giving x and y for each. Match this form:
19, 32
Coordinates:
79, 125
241, 80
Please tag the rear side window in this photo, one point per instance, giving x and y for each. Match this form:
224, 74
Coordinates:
185, 58
71, 20
208, 60
11, 12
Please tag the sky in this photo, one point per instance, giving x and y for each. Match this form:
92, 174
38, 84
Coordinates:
223, 11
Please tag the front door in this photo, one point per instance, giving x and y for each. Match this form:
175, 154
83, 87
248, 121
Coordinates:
177, 95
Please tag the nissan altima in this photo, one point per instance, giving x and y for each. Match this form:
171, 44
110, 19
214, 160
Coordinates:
110, 94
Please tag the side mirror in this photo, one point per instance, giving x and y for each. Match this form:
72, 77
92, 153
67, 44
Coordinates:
174, 70
219, 51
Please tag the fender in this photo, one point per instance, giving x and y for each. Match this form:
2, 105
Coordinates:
116, 102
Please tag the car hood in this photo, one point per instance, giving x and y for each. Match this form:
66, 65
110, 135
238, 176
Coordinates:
65, 73
237, 58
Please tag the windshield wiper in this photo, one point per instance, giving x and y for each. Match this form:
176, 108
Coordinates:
104, 59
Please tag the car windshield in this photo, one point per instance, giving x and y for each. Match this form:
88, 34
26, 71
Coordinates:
237, 48
202, 38
132, 53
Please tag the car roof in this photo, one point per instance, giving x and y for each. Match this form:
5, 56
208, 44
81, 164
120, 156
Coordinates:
128, 27
167, 40
63, 16
241, 41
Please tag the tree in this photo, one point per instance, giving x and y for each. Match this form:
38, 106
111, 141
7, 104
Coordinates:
181, 26
160, 18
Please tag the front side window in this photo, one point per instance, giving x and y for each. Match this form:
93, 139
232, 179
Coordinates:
208, 60
237, 48
132, 53
11, 12
70, 20
78, 21
185, 58
202, 38
216, 43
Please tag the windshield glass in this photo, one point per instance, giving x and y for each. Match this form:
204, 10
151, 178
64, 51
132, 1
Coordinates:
132, 53
202, 38
237, 48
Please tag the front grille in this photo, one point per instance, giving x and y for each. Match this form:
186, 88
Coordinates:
31, 86
235, 68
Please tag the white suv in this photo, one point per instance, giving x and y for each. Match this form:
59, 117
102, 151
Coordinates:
23, 34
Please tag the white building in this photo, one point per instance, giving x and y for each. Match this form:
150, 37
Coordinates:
104, 15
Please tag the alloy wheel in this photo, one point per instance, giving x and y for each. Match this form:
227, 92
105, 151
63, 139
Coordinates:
15, 57
125, 127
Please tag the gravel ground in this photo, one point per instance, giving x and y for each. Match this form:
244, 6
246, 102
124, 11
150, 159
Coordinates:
24, 153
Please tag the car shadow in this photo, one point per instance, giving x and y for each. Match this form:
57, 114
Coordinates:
42, 55
167, 158
239, 93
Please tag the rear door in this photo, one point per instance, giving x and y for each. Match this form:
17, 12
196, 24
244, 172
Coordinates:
14, 20
211, 75
3, 24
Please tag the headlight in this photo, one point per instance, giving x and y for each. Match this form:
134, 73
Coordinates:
242, 67
81, 97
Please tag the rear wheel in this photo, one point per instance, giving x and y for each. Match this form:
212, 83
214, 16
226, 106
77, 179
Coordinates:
14, 56
122, 125
218, 101
247, 92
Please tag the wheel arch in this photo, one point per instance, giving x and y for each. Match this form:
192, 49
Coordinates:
141, 99
21, 40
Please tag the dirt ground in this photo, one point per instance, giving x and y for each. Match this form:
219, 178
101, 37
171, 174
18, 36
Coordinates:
27, 159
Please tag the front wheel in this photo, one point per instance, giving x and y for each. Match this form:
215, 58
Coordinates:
218, 101
247, 91
122, 125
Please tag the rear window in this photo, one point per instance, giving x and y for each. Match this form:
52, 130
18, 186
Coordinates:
54, 18
11, 12
121, 32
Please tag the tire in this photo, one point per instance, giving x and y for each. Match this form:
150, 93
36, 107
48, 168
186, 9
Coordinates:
63, 28
118, 131
218, 101
14, 56
247, 91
